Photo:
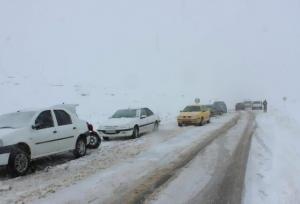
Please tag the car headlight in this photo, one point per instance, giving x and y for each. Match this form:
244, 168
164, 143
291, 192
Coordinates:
1, 143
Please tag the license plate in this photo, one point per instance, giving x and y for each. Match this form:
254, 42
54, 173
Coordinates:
110, 131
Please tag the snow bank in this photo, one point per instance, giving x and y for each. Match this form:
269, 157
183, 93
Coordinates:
273, 168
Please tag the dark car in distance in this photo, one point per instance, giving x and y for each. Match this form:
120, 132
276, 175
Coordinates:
220, 107
239, 106
257, 105
213, 111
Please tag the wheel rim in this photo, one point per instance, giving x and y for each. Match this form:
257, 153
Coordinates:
81, 147
21, 163
93, 140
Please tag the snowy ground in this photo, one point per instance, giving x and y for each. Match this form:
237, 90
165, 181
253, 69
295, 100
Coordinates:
273, 168
107, 169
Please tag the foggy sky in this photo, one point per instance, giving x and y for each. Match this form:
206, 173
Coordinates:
229, 50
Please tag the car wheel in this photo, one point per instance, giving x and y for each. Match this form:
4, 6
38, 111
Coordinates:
80, 148
180, 124
156, 125
136, 132
18, 163
95, 141
106, 138
201, 122
208, 120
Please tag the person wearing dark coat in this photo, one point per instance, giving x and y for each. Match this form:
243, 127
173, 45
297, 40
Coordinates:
265, 103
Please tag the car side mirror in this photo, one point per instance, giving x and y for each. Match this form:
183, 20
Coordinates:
143, 116
36, 126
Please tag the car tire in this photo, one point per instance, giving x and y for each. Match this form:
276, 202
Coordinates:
208, 121
180, 124
156, 125
135, 133
80, 147
18, 163
106, 138
95, 141
201, 122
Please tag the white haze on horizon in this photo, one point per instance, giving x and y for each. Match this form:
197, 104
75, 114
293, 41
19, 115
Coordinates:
230, 50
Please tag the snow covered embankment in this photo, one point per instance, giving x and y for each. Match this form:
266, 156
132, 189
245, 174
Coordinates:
274, 165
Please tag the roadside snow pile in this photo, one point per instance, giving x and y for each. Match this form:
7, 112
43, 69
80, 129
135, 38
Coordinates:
274, 165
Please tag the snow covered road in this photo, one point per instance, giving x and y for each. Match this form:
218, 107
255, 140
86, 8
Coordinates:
100, 174
216, 174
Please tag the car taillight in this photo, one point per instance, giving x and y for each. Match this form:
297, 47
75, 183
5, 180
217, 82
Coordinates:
90, 127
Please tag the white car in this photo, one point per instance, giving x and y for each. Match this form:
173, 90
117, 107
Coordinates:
129, 123
31, 134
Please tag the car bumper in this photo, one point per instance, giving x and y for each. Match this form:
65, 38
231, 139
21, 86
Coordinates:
4, 155
188, 121
4, 159
116, 133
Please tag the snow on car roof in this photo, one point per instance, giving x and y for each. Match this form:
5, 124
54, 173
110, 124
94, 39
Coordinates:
64, 106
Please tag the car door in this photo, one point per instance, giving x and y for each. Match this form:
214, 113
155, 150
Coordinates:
44, 134
143, 120
151, 119
66, 130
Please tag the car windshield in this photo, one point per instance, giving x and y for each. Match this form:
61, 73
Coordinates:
128, 113
192, 109
16, 120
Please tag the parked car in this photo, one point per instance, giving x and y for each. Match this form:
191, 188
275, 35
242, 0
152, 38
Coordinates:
220, 107
194, 115
31, 134
213, 111
239, 106
248, 105
257, 105
129, 123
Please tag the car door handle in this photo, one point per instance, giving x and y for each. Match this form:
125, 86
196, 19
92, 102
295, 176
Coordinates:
74, 128
54, 131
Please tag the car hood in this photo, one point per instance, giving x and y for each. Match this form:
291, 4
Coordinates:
6, 131
118, 121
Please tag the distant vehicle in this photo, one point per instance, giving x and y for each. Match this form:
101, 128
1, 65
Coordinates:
213, 111
239, 106
28, 135
248, 105
129, 123
220, 107
194, 115
257, 105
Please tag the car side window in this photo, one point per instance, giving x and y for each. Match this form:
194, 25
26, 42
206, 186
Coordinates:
44, 120
62, 117
143, 112
149, 112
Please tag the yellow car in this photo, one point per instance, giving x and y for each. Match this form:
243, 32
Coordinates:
194, 115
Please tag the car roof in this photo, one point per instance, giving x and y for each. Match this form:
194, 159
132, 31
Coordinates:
70, 107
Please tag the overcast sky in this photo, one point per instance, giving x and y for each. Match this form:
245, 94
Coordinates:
231, 50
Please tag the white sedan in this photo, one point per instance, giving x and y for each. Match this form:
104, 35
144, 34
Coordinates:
28, 135
129, 123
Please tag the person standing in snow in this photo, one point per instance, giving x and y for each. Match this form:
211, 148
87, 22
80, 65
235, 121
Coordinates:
265, 103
